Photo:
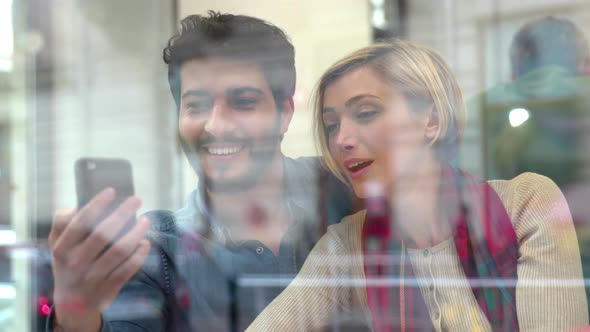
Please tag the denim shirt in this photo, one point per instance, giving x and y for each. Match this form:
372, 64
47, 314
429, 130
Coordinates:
197, 278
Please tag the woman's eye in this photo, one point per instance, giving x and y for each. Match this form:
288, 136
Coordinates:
367, 114
331, 128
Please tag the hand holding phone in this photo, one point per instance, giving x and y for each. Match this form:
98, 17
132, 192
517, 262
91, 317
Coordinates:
93, 254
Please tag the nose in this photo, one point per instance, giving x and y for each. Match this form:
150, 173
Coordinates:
219, 121
346, 139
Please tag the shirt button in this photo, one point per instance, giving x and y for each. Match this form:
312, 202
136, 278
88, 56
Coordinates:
259, 250
426, 252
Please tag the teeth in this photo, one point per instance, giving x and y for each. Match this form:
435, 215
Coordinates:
223, 151
356, 164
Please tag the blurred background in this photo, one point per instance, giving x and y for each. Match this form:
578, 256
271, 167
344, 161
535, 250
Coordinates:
81, 78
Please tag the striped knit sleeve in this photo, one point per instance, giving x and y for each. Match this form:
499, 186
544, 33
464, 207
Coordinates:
550, 295
314, 296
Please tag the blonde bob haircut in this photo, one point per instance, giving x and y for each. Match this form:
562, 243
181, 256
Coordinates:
419, 74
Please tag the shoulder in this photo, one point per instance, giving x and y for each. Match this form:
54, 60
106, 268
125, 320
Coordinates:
538, 210
348, 231
527, 180
529, 190
352, 221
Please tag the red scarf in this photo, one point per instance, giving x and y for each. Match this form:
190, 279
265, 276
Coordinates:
486, 245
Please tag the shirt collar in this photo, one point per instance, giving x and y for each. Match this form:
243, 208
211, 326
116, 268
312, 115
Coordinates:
196, 216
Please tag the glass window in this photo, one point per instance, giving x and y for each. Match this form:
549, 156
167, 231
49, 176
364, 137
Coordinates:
243, 145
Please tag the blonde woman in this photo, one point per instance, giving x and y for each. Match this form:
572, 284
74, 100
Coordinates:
435, 248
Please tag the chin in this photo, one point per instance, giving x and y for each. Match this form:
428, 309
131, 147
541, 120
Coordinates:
226, 185
239, 182
359, 190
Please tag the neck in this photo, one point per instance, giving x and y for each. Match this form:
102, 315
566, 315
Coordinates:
424, 178
416, 205
232, 208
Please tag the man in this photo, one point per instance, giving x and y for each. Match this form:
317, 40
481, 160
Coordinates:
539, 121
243, 233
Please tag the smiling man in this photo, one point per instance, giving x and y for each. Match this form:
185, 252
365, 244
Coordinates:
231, 123
246, 229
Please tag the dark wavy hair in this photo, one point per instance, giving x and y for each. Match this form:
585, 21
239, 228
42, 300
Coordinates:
237, 37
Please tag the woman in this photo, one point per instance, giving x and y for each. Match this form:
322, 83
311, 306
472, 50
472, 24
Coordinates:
435, 248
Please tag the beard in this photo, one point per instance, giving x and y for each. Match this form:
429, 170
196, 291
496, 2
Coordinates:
262, 153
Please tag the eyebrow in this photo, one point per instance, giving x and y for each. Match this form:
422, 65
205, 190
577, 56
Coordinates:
242, 90
195, 93
232, 92
356, 99
350, 102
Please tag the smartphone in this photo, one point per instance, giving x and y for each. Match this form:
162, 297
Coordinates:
96, 174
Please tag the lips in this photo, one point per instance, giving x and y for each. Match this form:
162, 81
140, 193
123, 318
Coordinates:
357, 167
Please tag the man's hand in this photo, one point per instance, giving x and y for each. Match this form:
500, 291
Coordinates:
90, 262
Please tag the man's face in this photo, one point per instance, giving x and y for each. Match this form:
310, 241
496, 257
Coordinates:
228, 122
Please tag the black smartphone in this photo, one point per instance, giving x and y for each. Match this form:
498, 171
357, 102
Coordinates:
96, 174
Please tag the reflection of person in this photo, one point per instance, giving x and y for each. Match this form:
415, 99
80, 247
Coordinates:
457, 253
233, 79
550, 60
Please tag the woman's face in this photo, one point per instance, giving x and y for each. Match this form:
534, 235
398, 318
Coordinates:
373, 135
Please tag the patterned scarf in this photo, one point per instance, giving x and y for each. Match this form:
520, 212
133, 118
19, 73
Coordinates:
486, 245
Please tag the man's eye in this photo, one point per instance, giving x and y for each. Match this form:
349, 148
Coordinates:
244, 103
198, 106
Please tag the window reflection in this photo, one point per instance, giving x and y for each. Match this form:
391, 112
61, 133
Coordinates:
80, 79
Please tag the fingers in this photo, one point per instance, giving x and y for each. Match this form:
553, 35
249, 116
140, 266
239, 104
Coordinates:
106, 231
111, 286
61, 219
77, 229
129, 268
120, 252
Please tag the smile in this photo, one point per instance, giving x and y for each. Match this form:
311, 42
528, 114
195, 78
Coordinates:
224, 151
357, 167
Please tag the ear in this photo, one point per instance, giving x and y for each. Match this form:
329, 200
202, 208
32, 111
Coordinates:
286, 114
432, 124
